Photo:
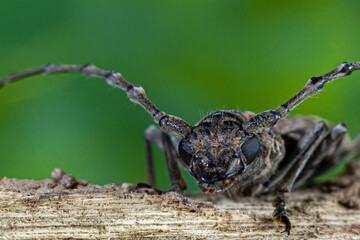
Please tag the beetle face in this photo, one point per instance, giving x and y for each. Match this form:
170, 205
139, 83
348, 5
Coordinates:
217, 150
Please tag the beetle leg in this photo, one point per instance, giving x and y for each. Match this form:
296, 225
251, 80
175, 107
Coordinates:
306, 147
300, 156
347, 151
280, 212
164, 142
177, 180
325, 156
152, 134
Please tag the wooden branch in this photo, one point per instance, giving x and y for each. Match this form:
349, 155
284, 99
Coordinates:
48, 210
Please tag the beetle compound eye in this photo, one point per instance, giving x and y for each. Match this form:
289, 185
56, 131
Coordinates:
251, 149
185, 152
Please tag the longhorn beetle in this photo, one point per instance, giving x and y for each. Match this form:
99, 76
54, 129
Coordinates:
239, 152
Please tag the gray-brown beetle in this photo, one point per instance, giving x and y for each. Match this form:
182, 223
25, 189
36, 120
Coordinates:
238, 151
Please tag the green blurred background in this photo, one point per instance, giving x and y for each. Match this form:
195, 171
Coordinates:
192, 57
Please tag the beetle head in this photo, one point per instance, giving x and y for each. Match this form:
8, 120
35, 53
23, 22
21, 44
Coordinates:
217, 151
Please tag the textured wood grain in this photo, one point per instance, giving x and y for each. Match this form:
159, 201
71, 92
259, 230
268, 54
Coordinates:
108, 212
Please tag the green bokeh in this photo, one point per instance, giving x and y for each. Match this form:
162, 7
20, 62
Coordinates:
192, 57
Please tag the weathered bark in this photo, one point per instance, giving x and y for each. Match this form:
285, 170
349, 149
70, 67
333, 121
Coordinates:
42, 210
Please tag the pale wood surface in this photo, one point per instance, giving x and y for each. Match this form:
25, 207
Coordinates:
109, 213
